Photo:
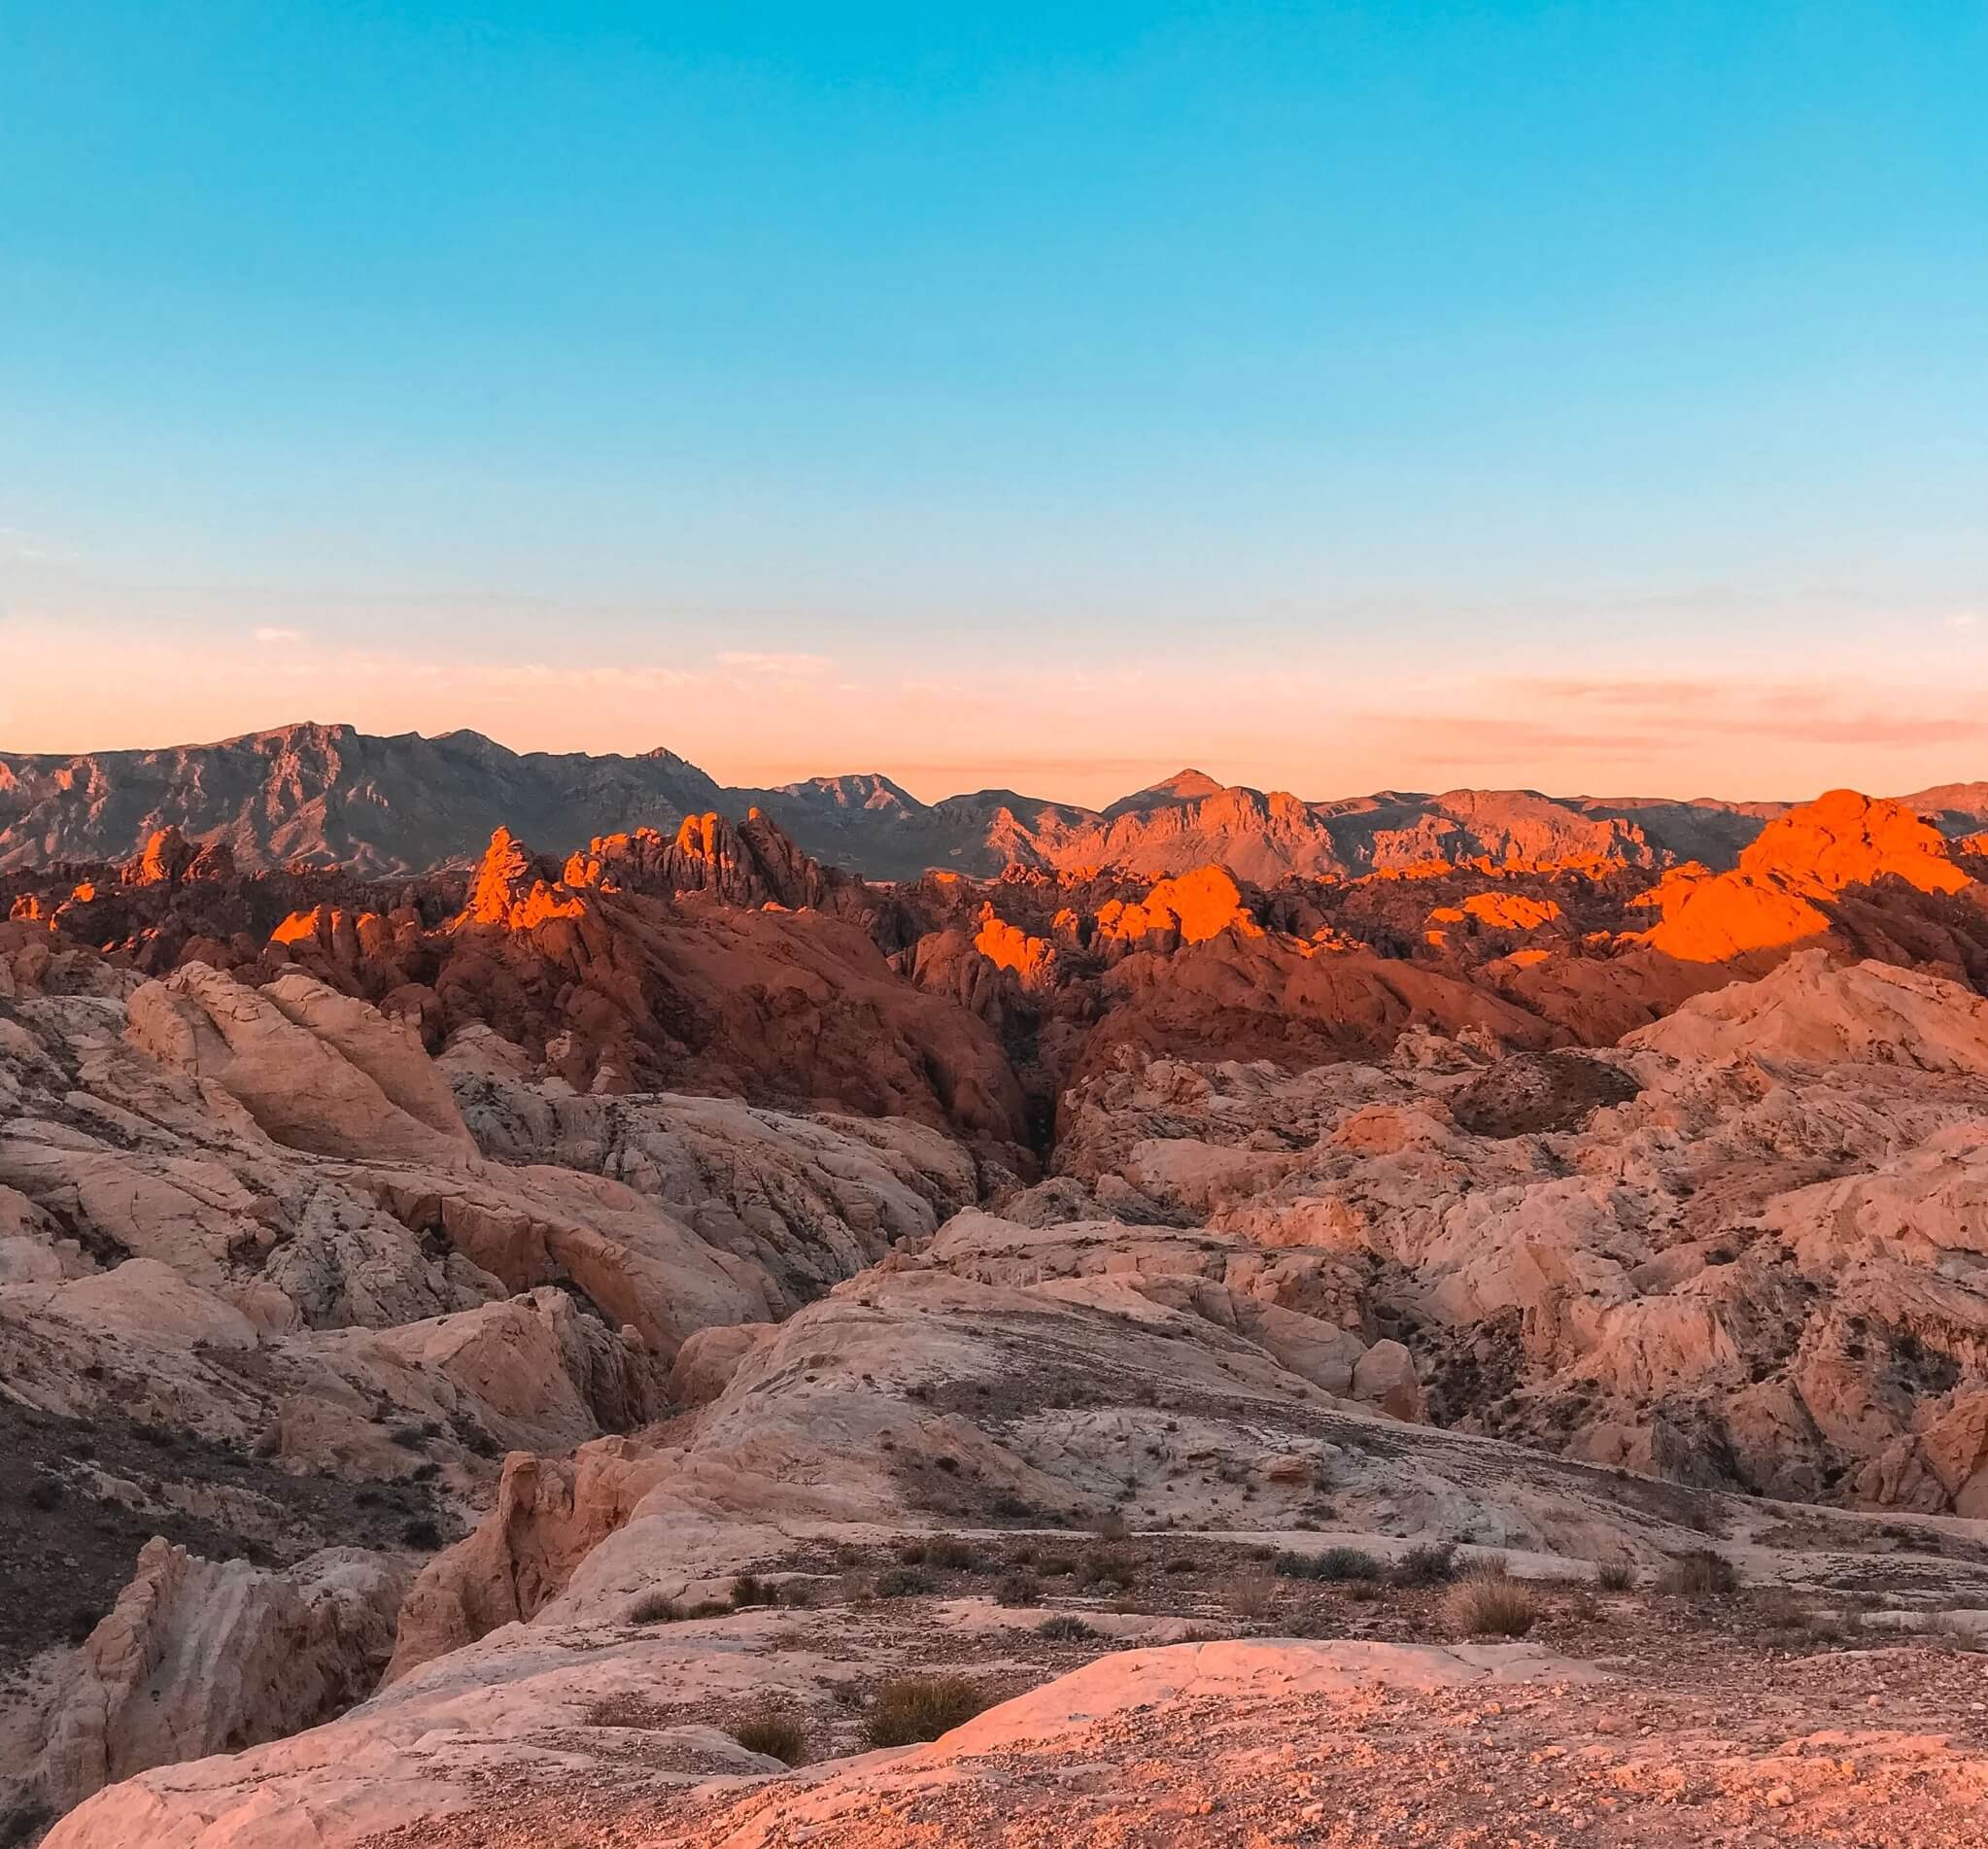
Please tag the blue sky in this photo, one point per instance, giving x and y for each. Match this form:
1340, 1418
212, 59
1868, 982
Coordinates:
1332, 395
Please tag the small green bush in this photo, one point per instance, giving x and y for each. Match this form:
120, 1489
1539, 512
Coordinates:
1335, 1564
1064, 1629
1430, 1564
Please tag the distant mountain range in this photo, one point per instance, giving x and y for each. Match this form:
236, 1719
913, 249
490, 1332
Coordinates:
324, 793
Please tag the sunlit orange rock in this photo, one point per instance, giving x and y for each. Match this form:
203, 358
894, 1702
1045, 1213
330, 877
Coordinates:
1010, 947
1510, 911
1193, 908
1775, 898
749, 863
511, 891
162, 860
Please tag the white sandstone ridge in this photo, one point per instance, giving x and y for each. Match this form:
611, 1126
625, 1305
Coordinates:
637, 1345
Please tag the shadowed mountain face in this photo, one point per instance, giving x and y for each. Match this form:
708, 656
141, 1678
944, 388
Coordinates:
325, 795
320, 795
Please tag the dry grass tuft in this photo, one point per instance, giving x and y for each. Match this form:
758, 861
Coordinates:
776, 1736
659, 1608
1063, 1628
1699, 1574
909, 1709
1253, 1595
1490, 1605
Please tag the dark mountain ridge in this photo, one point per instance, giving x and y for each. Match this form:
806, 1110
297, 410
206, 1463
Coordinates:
318, 795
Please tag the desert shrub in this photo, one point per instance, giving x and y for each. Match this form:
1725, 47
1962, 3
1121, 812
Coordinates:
1346, 1563
951, 1553
902, 1582
1335, 1564
422, 1532
1490, 1605
1825, 1628
1063, 1628
1780, 1608
1430, 1564
749, 1588
1110, 1526
1488, 1564
659, 1608
1108, 1566
797, 1593
1615, 1576
1179, 1564
43, 1495
82, 1622
1056, 1565
1699, 1574
1020, 1589
909, 1709
776, 1736
1253, 1595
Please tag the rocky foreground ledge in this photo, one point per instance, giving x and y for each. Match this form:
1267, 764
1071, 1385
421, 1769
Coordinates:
1257, 1743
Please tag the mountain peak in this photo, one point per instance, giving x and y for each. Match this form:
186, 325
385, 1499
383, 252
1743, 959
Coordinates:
1189, 785
1183, 786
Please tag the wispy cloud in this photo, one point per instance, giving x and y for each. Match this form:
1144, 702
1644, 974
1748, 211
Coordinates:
277, 638
786, 666
19, 546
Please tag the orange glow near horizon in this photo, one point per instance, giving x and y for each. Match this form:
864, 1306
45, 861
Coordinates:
1319, 729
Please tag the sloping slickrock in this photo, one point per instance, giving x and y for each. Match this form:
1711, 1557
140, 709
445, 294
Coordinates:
197, 1658
1814, 1011
318, 1071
